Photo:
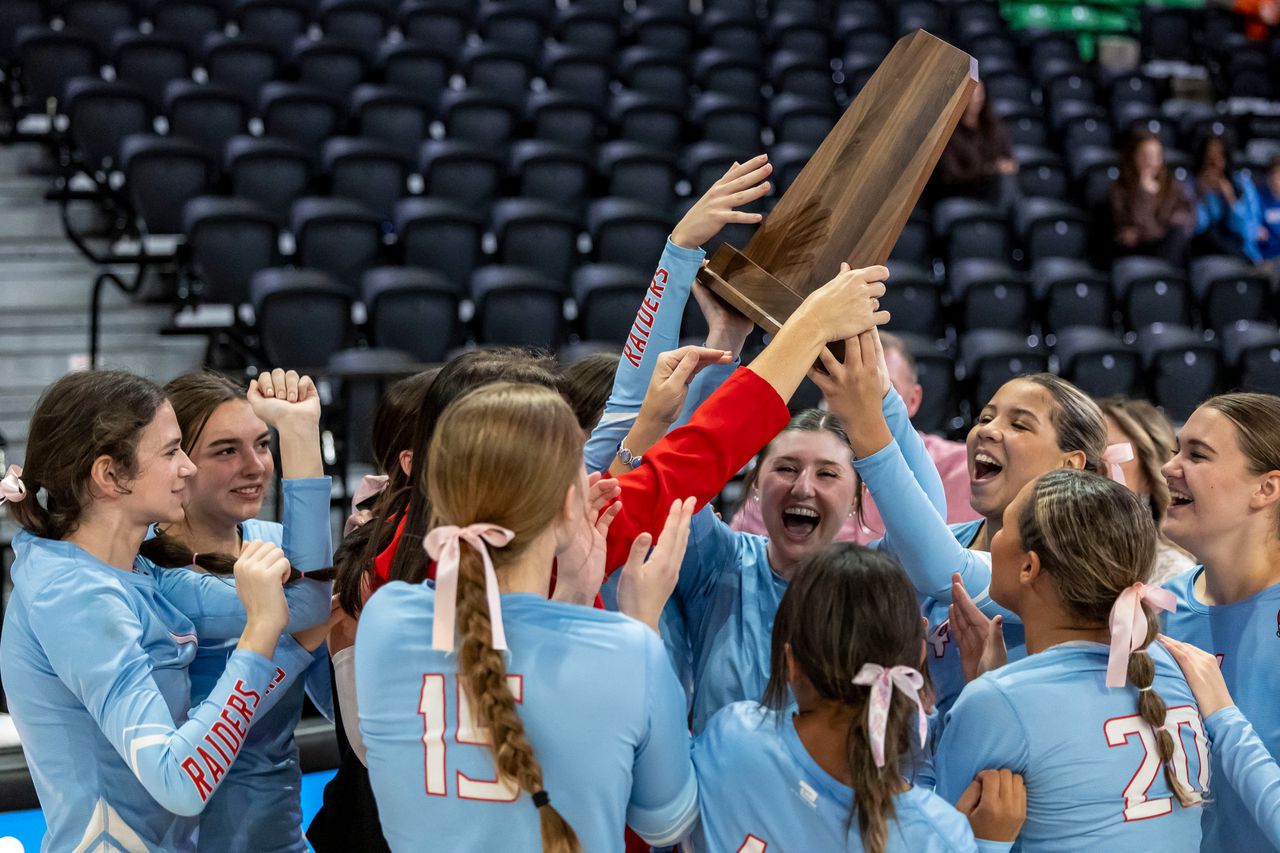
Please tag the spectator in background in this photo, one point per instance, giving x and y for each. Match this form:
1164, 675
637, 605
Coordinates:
1228, 212
1269, 204
950, 457
978, 161
1151, 213
1144, 428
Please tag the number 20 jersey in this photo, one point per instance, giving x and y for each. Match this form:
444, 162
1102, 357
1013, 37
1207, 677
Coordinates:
1093, 774
599, 702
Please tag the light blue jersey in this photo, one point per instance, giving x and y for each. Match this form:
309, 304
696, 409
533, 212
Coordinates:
760, 790
94, 661
1093, 773
599, 703
916, 532
728, 595
1241, 760
1245, 636
655, 330
258, 806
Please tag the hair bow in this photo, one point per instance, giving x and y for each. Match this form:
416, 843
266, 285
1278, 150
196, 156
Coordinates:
1116, 455
370, 485
12, 489
1129, 626
882, 681
443, 546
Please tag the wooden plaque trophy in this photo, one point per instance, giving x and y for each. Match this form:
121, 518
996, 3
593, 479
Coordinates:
852, 199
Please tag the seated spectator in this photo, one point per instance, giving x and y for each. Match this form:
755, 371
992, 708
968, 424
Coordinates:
1150, 211
1228, 213
1269, 204
978, 156
950, 457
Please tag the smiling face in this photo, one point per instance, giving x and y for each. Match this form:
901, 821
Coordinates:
233, 457
1013, 442
158, 491
1210, 484
806, 488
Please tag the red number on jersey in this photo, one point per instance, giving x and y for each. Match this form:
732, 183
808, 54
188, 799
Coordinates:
431, 706
1137, 806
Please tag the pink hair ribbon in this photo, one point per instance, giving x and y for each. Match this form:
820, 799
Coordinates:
882, 681
1129, 625
370, 485
443, 546
1116, 455
12, 489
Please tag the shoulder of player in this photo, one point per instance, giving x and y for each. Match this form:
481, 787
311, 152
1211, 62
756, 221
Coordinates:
55, 571
935, 815
739, 736
739, 718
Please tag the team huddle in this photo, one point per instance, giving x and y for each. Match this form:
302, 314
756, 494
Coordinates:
537, 633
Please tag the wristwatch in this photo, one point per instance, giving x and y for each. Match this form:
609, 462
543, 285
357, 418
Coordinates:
626, 457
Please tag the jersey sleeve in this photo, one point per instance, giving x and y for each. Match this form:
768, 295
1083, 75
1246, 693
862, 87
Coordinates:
915, 532
100, 658
710, 549
703, 386
344, 680
982, 732
308, 529
664, 790
212, 605
913, 451
697, 459
1248, 766
319, 684
655, 330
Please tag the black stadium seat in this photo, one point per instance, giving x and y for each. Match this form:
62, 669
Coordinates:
230, 239
161, 175
303, 316
274, 173
337, 236
412, 310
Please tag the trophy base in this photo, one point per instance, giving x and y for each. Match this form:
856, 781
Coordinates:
754, 291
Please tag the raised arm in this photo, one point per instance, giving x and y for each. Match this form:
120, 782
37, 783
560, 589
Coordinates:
656, 328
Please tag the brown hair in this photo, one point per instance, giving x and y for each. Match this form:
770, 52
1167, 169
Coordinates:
845, 607
1153, 440
586, 385
393, 421
481, 470
1257, 420
808, 420
1095, 539
1076, 419
81, 417
1129, 182
194, 397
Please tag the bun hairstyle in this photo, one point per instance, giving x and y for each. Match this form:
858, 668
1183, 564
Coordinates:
846, 607
355, 557
1095, 539
1076, 418
482, 470
81, 417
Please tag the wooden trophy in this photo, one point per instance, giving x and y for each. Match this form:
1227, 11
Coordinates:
853, 197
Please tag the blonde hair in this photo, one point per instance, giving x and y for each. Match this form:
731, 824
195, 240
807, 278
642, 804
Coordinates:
1095, 539
1153, 441
504, 454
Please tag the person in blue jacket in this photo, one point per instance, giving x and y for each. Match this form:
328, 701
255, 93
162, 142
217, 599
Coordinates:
1097, 717
227, 435
1229, 218
824, 771
1224, 508
96, 646
1031, 425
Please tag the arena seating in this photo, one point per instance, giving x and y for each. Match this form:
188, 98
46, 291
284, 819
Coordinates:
505, 172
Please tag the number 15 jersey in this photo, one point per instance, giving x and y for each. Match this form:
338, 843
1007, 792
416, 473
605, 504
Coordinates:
599, 702
1093, 773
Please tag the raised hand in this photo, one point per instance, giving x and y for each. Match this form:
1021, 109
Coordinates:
742, 184
854, 390
727, 328
1203, 674
669, 384
279, 394
580, 568
848, 305
646, 585
996, 805
979, 640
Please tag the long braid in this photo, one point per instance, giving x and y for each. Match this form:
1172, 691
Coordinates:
1152, 707
485, 675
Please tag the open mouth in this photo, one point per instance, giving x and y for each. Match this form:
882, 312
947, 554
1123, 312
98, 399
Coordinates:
985, 467
1177, 498
248, 493
800, 520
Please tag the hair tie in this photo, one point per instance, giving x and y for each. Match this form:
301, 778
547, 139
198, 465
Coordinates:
370, 485
540, 799
12, 489
882, 681
195, 555
442, 546
1116, 455
1128, 624
1147, 688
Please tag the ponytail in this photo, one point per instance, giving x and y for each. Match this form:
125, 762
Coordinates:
1141, 673
168, 553
484, 675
